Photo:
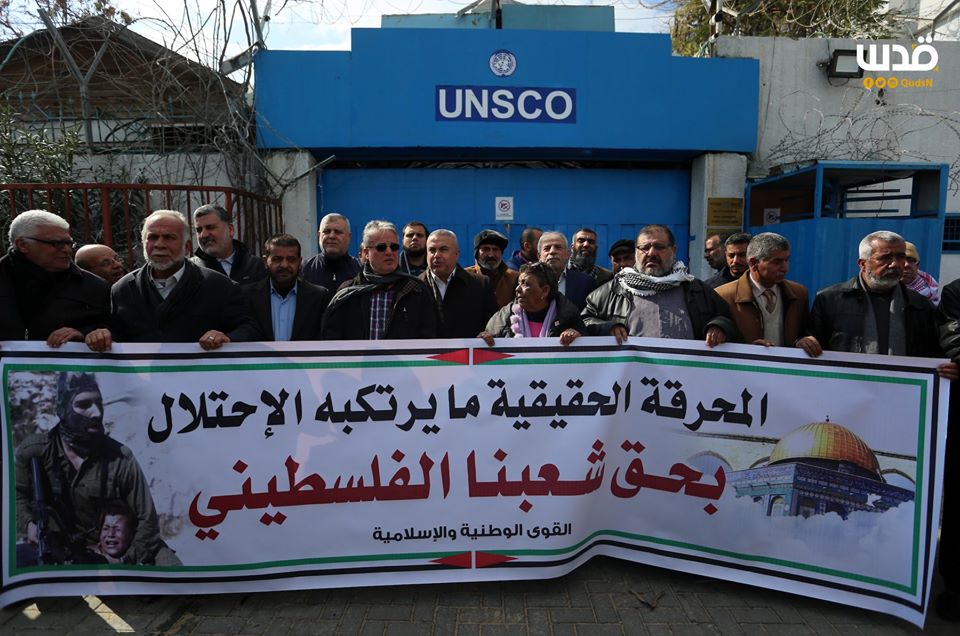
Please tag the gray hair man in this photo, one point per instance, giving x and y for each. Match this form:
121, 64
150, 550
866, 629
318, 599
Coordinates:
658, 299
333, 266
170, 299
381, 302
219, 251
555, 253
43, 294
466, 301
874, 312
767, 308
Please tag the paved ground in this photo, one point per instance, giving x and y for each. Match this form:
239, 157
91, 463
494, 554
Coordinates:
606, 596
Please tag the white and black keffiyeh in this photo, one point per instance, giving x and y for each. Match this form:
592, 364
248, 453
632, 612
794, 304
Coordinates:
632, 281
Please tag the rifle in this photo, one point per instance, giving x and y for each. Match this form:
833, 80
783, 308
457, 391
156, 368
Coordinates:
40, 514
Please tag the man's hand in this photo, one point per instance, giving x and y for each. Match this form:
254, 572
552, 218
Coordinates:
33, 535
763, 343
63, 334
949, 371
811, 345
213, 339
715, 336
99, 340
568, 336
620, 333
487, 337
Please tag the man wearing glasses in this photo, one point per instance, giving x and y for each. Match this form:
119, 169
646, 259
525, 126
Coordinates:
381, 302
658, 299
43, 294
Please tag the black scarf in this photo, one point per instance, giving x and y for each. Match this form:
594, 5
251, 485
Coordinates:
32, 285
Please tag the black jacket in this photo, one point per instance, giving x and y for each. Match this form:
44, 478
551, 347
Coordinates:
722, 277
75, 299
247, 268
568, 316
312, 301
414, 313
329, 273
201, 301
609, 305
836, 320
467, 305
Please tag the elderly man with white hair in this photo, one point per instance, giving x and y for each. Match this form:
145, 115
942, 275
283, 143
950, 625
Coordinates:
43, 294
874, 312
170, 299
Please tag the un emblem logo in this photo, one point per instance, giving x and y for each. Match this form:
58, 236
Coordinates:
503, 63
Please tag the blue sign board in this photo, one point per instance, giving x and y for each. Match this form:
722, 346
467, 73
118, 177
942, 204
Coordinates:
422, 92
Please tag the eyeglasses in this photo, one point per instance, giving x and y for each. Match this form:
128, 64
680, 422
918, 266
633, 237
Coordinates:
649, 247
383, 247
54, 244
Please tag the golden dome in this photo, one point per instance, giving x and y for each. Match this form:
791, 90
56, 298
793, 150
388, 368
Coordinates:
825, 440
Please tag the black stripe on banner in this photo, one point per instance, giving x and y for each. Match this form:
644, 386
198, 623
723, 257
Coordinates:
711, 561
199, 580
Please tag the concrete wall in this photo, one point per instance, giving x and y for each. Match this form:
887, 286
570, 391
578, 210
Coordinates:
300, 196
718, 175
804, 116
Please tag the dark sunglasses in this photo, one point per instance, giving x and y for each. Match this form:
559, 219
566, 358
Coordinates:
382, 247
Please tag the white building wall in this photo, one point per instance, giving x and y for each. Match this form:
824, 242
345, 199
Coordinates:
804, 116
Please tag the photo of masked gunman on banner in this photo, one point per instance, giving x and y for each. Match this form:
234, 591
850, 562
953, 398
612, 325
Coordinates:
81, 495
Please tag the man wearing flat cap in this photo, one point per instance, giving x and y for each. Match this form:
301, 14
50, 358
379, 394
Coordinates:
488, 246
622, 255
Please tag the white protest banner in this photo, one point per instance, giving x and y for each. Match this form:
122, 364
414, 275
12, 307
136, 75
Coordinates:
290, 466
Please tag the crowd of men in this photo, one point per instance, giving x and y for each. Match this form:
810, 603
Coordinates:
408, 284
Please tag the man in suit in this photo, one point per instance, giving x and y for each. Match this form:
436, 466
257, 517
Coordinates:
218, 249
285, 306
735, 255
170, 299
768, 309
555, 252
466, 301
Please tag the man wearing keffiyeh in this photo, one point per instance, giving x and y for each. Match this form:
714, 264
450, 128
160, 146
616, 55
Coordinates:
658, 298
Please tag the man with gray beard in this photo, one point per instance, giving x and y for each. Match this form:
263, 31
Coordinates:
170, 299
874, 312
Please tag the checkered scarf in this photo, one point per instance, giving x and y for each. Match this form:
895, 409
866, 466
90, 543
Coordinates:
632, 281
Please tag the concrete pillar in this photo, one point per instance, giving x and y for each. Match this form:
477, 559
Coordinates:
300, 197
713, 177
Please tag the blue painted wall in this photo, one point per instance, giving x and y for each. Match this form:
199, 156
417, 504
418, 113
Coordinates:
615, 203
634, 99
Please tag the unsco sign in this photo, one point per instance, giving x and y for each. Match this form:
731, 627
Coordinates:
507, 104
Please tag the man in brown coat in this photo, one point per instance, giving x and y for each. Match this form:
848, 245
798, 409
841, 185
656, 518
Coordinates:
768, 309
488, 248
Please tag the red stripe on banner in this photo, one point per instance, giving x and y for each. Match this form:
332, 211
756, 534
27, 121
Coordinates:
460, 357
461, 560
485, 355
485, 558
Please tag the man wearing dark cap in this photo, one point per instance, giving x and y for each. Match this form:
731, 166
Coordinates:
488, 246
622, 255
81, 470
